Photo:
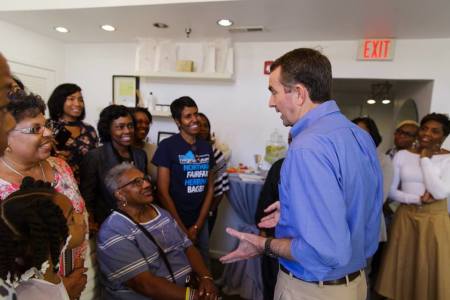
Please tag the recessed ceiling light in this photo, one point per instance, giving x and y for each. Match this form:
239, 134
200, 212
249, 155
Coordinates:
225, 22
107, 27
386, 101
160, 25
61, 29
371, 101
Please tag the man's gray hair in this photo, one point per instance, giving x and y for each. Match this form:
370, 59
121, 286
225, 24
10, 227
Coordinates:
113, 175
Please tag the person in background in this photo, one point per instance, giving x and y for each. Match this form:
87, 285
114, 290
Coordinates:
7, 123
269, 195
142, 251
33, 231
143, 122
185, 181
369, 125
404, 137
221, 184
116, 129
15, 84
74, 138
328, 218
416, 261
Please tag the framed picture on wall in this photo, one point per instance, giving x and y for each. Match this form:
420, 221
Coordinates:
125, 90
164, 135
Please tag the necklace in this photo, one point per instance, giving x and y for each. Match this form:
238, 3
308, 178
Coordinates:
21, 174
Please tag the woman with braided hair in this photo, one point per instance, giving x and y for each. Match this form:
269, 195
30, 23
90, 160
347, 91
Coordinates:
33, 230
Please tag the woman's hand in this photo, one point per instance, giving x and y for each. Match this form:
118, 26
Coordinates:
192, 233
76, 281
207, 290
427, 198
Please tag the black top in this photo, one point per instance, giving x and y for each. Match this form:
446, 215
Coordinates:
93, 170
269, 193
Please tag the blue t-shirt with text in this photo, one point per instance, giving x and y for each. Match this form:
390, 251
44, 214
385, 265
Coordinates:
189, 167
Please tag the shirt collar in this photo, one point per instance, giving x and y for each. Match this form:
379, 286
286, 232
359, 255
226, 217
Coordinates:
313, 115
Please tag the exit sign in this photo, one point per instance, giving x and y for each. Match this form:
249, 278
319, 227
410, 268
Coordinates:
376, 49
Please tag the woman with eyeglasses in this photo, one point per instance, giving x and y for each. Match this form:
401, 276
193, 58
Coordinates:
73, 137
27, 153
142, 251
116, 130
416, 260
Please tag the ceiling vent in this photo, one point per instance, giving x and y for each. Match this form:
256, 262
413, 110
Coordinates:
243, 29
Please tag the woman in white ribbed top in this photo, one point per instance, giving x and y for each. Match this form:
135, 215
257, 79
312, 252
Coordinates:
416, 263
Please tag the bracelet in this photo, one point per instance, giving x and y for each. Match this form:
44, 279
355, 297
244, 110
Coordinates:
206, 277
191, 294
188, 293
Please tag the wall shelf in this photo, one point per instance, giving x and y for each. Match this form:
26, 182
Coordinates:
160, 113
188, 75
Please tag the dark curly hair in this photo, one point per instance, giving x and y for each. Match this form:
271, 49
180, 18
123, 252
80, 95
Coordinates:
23, 105
107, 116
142, 110
32, 229
58, 98
372, 127
440, 118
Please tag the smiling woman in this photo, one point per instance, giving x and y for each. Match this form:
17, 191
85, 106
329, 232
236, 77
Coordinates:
116, 130
28, 154
73, 137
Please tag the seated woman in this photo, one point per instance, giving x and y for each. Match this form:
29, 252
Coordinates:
34, 225
143, 122
73, 137
116, 130
142, 252
28, 154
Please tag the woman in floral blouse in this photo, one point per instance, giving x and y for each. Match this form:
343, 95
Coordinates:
74, 138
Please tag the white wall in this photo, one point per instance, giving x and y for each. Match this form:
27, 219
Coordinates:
238, 110
33, 54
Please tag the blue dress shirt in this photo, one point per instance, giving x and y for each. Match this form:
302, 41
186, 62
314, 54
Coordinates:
331, 195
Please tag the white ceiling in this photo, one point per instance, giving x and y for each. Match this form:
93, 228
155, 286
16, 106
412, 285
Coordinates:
283, 20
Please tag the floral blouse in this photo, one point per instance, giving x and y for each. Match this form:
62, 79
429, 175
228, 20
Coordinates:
77, 147
64, 183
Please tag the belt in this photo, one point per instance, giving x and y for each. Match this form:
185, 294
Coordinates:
342, 280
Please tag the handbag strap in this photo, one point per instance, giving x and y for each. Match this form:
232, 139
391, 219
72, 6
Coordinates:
153, 240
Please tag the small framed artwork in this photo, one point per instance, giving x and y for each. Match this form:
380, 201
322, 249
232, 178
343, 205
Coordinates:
125, 90
164, 135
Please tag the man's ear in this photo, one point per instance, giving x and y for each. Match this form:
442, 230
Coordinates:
302, 94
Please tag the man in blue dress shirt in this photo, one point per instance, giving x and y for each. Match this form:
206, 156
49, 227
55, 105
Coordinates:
328, 218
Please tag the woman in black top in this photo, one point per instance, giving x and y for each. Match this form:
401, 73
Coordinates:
74, 138
116, 130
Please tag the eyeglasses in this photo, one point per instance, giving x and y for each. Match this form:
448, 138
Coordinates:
38, 129
137, 182
405, 133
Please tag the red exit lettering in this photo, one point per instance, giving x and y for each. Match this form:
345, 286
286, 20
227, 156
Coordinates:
376, 49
